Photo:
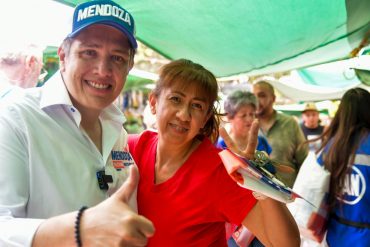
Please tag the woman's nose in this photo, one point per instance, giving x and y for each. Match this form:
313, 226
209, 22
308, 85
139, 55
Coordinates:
184, 113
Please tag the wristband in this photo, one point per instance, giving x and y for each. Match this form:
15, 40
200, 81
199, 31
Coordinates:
77, 226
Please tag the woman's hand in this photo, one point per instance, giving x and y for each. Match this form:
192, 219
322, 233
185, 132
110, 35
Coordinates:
248, 152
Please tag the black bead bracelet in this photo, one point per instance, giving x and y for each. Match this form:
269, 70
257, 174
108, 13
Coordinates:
77, 226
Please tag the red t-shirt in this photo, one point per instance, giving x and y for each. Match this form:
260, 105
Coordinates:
190, 208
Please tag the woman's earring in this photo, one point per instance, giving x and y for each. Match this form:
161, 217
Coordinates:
152, 109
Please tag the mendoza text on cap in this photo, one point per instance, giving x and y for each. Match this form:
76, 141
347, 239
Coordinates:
104, 12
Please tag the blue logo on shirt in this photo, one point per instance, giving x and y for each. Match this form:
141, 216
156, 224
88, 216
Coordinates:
354, 187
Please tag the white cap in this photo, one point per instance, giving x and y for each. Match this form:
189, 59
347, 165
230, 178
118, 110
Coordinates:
362, 61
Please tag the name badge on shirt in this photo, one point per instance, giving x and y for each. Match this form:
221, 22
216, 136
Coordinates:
121, 159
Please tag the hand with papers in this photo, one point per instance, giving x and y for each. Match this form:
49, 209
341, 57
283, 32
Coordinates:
250, 170
250, 175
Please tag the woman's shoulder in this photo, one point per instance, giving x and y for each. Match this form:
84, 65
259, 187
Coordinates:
364, 146
208, 150
139, 140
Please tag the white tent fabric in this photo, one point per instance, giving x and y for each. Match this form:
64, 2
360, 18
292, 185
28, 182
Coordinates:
47, 22
41, 22
338, 75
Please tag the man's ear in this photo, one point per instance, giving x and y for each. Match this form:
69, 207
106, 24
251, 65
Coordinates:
131, 64
131, 61
31, 63
62, 57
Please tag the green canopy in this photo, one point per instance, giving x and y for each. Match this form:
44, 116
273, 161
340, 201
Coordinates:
138, 83
249, 36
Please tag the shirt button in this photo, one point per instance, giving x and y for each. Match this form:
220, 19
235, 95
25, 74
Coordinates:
73, 110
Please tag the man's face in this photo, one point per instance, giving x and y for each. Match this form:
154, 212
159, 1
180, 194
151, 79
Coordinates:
310, 119
265, 97
95, 67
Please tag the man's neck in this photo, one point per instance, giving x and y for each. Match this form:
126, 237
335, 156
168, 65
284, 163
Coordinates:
91, 124
94, 131
267, 120
310, 127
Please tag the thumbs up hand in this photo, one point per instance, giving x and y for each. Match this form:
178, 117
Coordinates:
113, 222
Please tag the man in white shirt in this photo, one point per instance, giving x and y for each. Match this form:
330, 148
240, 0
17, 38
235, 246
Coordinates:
20, 65
62, 145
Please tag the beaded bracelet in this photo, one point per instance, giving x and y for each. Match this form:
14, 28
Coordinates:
77, 226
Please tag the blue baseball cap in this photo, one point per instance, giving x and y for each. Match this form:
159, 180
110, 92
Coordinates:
104, 12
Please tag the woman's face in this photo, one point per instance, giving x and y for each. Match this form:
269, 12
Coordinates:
242, 121
180, 111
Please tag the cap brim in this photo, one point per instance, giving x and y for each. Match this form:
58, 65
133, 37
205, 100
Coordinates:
310, 110
130, 37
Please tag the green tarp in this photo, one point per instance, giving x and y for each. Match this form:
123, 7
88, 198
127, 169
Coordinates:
250, 36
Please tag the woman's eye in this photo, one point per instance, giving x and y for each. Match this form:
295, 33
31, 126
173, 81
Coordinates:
198, 106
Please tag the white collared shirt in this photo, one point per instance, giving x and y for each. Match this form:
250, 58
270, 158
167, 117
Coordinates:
48, 163
5, 85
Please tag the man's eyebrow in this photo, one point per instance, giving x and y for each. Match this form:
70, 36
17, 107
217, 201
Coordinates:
89, 45
122, 51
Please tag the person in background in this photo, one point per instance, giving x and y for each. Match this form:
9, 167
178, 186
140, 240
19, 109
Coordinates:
20, 65
240, 107
63, 149
282, 133
134, 123
148, 118
311, 125
184, 188
346, 155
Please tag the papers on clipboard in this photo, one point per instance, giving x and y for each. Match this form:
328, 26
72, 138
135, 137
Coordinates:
255, 178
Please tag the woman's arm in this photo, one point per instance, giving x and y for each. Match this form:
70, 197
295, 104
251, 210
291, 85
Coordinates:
272, 224
269, 219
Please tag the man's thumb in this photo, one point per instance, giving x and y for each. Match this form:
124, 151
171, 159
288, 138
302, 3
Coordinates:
129, 186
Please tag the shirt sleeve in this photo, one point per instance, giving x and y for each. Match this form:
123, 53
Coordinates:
15, 229
235, 201
132, 142
301, 150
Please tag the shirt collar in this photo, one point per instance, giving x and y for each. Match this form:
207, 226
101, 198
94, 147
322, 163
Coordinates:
54, 92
